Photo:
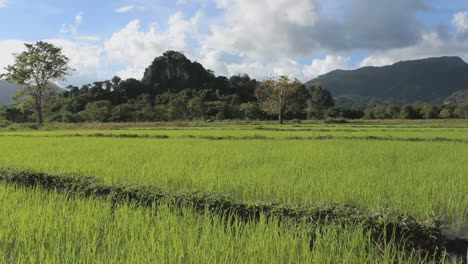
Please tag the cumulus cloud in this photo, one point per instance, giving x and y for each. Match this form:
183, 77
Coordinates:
7, 49
212, 59
3, 3
263, 28
266, 38
431, 45
124, 9
460, 21
137, 48
84, 58
382, 24
322, 66
289, 67
266, 28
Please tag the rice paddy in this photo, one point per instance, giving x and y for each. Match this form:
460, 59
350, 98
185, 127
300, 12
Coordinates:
380, 166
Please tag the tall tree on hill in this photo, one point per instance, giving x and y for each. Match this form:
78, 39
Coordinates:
318, 101
35, 69
281, 95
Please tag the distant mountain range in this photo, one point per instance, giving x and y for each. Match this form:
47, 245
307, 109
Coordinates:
431, 79
7, 90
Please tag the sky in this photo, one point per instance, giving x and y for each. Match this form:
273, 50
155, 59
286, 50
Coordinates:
263, 38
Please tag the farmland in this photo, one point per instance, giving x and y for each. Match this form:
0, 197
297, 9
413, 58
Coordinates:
415, 168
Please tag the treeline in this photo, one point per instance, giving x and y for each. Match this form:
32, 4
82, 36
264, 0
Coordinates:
174, 88
130, 100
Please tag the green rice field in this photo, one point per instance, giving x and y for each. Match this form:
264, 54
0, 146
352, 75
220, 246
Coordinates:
418, 168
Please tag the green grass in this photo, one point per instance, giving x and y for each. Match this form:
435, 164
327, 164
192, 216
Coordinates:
454, 130
419, 178
39, 227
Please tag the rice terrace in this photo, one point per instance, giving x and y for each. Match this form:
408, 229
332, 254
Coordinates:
234, 131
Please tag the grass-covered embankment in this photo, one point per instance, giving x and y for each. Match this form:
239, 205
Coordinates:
421, 236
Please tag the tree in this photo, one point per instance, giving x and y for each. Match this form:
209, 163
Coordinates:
249, 109
278, 96
428, 111
407, 112
392, 111
98, 111
318, 101
461, 111
35, 69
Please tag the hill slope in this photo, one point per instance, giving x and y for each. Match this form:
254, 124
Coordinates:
7, 90
173, 72
429, 79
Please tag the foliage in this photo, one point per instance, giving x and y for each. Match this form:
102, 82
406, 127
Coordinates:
421, 235
49, 227
174, 88
408, 112
318, 101
35, 69
281, 96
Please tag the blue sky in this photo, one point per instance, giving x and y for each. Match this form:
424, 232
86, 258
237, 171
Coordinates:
264, 38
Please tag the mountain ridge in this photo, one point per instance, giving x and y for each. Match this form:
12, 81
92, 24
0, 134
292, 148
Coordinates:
7, 90
428, 79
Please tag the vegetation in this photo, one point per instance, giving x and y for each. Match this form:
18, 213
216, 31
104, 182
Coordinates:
403, 174
174, 88
70, 229
246, 174
281, 96
34, 69
329, 191
411, 234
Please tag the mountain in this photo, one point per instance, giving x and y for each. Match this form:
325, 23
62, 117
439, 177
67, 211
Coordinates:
173, 72
430, 79
7, 90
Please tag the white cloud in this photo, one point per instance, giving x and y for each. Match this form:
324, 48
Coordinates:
211, 59
137, 48
7, 48
460, 21
124, 9
3, 3
263, 27
431, 45
329, 63
289, 67
72, 28
84, 58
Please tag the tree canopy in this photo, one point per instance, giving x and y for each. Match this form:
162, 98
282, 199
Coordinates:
35, 69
